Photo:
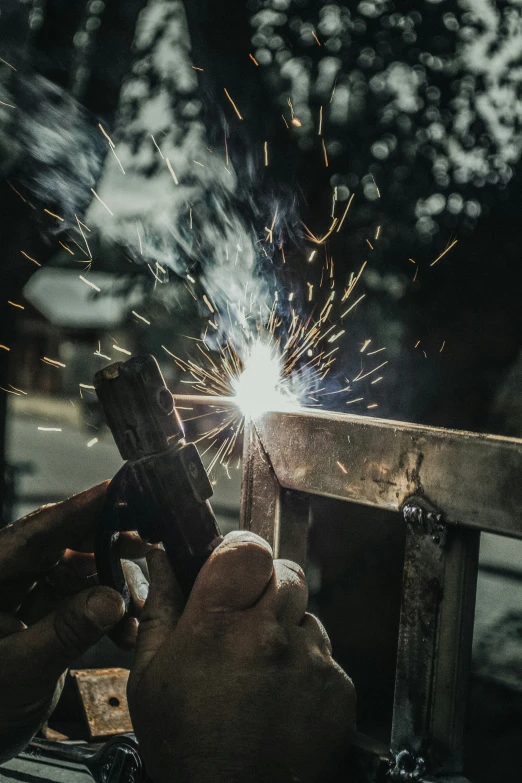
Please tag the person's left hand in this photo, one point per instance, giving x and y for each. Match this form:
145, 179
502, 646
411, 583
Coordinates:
44, 558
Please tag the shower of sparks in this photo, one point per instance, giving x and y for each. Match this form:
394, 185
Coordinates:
268, 363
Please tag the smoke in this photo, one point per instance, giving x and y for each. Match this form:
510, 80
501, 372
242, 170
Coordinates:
52, 143
179, 204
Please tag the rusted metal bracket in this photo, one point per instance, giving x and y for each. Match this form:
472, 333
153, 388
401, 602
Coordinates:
103, 694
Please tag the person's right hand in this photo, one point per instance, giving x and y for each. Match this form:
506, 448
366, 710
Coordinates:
240, 684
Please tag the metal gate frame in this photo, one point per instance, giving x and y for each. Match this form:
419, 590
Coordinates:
448, 485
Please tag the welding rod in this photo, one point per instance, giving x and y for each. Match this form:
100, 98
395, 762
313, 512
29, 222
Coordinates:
210, 400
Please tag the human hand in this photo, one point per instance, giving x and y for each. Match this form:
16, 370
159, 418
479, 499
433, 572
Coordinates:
44, 557
239, 685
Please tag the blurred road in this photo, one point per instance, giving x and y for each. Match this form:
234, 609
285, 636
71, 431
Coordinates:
62, 464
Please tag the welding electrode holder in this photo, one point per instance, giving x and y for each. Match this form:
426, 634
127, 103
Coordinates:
162, 490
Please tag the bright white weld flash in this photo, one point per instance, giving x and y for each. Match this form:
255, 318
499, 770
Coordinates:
261, 386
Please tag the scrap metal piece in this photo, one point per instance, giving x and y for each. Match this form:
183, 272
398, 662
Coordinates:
103, 693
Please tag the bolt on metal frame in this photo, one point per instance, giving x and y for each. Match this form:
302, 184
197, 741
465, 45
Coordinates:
448, 485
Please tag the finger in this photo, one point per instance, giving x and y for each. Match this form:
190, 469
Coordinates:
131, 546
32, 545
162, 609
137, 583
9, 625
54, 643
287, 595
235, 576
316, 633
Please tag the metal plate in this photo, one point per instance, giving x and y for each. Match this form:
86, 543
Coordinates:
103, 693
475, 479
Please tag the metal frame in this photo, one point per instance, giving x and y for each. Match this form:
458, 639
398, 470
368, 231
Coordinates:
449, 486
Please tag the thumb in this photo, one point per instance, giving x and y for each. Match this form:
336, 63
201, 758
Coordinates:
161, 612
55, 642
235, 576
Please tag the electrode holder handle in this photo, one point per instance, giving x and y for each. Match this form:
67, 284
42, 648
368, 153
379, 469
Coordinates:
162, 490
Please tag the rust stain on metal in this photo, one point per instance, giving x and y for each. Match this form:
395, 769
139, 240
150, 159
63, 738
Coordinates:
103, 693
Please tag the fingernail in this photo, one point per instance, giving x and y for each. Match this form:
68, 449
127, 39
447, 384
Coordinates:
142, 591
105, 607
238, 536
295, 568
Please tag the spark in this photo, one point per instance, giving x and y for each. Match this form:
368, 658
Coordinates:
121, 350
253, 59
10, 391
20, 391
370, 244
10, 105
15, 304
284, 120
377, 233
207, 302
417, 344
92, 442
140, 317
16, 191
197, 69
342, 467
354, 305
102, 355
325, 153
357, 399
365, 346
157, 146
312, 255
336, 336
88, 282
233, 104
85, 386
372, 353
169, 166
266, 153
111, 145
360, 377
376, 187
50, 429
8, 64
320, 131
442, 346
333, 91
54, 362
444, 252
80, 229
4, 347
412, 261
377, 380
345, 212
296, 122
102, 202
65, 247
316, 38
192, 280
199, 164
30, 259
52, 214
373, 405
